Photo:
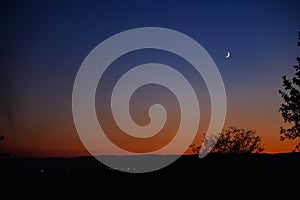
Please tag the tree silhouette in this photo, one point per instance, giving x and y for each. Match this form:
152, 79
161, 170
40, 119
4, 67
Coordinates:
290, 109
4, 155
234, 140
1, 138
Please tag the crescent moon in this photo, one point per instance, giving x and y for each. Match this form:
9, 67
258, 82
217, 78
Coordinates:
227, 55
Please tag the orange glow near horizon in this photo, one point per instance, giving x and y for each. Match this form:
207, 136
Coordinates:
56, 136
62, 140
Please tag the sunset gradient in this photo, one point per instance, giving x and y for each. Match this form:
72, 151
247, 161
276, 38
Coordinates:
44, 43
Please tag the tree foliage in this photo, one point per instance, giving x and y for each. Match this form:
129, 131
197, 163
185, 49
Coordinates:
290, 109
234, 140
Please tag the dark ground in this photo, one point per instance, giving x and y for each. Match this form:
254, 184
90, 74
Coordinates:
278, 174
264, 165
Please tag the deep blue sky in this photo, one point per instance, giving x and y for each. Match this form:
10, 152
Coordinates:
44, 42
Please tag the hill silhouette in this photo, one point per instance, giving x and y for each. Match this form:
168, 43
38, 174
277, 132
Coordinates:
220, 175
281, 165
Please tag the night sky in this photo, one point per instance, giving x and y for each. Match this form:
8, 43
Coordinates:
43, 44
